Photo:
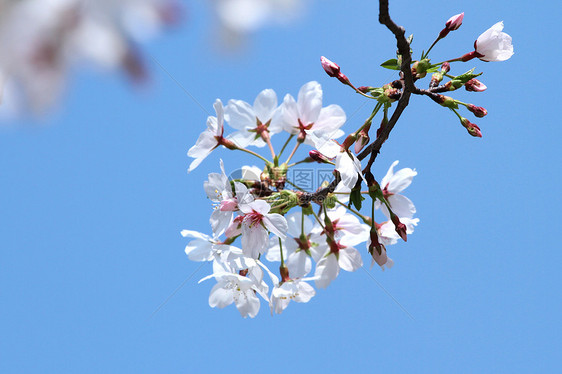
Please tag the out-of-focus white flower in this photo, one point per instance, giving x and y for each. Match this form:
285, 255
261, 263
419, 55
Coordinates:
254, 122
240, 17
40, 40
394, 183
493, 44
306, 115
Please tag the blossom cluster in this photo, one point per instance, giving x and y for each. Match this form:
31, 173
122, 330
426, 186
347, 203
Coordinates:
256, 208
315, 235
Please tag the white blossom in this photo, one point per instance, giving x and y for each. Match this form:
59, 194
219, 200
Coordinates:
394, 183
494, 45
210, 138
250, 121
306, 115
328, 268
255, 225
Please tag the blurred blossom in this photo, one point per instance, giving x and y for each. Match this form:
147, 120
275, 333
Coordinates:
237, 18
41, 40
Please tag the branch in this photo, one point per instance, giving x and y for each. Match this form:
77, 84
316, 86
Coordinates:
406, 77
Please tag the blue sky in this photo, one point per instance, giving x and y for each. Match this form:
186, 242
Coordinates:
94, 197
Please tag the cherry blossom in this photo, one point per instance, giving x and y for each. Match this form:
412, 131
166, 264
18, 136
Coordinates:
209, 139
255, 225
255, 123
394, 183
205, 248
493, 44
293, 290
307, 114
328, 268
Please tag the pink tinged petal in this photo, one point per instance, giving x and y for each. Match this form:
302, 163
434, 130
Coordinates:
220, 297
350, 259
265, 105
401, 180
247, 303
228, 205
327, 269
259, 206
290, 115
299, 264
276, 223
309, 102
331, 118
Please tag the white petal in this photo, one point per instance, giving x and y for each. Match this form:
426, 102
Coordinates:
299, 264
327, 269
220, 297
240, 115
276, 223
265, 105
290, 115
401, 180
248, 304
350, 259
309, 102
331, 118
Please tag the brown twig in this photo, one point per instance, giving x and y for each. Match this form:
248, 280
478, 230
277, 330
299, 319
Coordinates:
406, 76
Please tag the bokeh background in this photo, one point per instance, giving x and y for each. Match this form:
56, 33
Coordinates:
93, 277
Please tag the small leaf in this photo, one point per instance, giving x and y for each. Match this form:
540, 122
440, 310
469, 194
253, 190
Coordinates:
355, 197
391, 64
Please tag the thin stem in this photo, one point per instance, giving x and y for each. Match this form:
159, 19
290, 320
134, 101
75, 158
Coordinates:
268, 141
427, 53
281, 252
369, 120
253, 154
293, 153
285, 145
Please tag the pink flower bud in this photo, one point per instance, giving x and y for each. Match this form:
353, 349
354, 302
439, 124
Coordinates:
477, 110
362, 141
471, 128
454, 22
331, 68
364, 89
445, 67
475, 85
399, 227
318, 157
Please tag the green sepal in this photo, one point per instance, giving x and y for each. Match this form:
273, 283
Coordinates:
391, 64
